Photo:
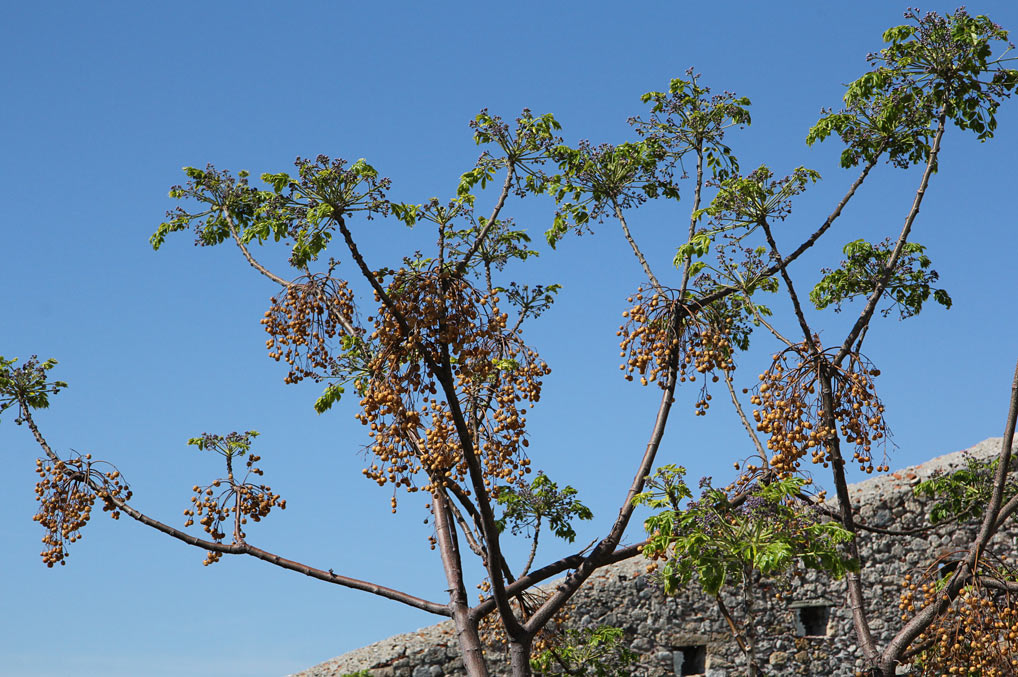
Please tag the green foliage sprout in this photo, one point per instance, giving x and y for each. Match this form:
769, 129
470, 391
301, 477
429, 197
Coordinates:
719, 543
593, 652
27, 384
527, 507
908, 285
964, 493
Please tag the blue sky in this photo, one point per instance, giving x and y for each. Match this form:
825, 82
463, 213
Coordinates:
105, 102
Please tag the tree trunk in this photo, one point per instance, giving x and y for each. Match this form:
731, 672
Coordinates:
519, 657
466, 627
750, 625
470, 646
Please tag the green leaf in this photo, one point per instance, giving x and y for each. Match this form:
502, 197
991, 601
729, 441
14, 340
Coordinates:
332, 394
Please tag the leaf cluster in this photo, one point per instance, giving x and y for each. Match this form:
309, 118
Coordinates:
596, 652
595, 181
232, 444
688, 118
28, 384
745, 202
525, 507
936, 66
964, 493
721, 542
908, 285
302, 209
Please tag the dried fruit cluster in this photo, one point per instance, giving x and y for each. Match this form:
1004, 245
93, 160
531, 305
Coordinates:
792, 414
242, 500
977, 635
304, 321
552, 635
652, 335
442, 319
66, 491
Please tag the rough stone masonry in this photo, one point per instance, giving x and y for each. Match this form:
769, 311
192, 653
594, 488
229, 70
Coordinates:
806, 631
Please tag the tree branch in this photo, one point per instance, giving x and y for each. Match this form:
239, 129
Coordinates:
506, 187
697, 191
241, 548
607, 546
547, 571
806, 331
991, 518
857, 600
343, 320
728, 290
878, 291
636, 249
466, 627
443, 373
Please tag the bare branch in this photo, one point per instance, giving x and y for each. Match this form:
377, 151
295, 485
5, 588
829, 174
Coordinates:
468, 533
745, 421
997, 584
778, 335
547, 571
736, 631
834, 515
856, 599
607, 545
636, 249
469, 642
806, 331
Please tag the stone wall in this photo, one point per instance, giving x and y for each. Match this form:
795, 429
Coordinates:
804, 626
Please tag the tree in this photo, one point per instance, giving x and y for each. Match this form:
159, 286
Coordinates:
443, 375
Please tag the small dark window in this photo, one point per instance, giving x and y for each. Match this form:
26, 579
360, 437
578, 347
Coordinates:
813, 621
690, 660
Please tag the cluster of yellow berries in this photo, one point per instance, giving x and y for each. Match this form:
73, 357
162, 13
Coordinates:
66, 492
656, 329
214, 504
440, 318
304, 321
792, 414
977, 634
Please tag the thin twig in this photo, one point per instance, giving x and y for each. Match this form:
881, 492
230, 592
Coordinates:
806, 331
636, 249
778, 335
506, 187
342, 319
533, 547
467, 531
745, 421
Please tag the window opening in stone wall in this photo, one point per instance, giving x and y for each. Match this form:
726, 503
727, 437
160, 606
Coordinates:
812, 620
690, 660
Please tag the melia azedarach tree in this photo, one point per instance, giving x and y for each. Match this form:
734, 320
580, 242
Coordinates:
444, 378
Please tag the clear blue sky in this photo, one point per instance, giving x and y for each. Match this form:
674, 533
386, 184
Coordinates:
103, 103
